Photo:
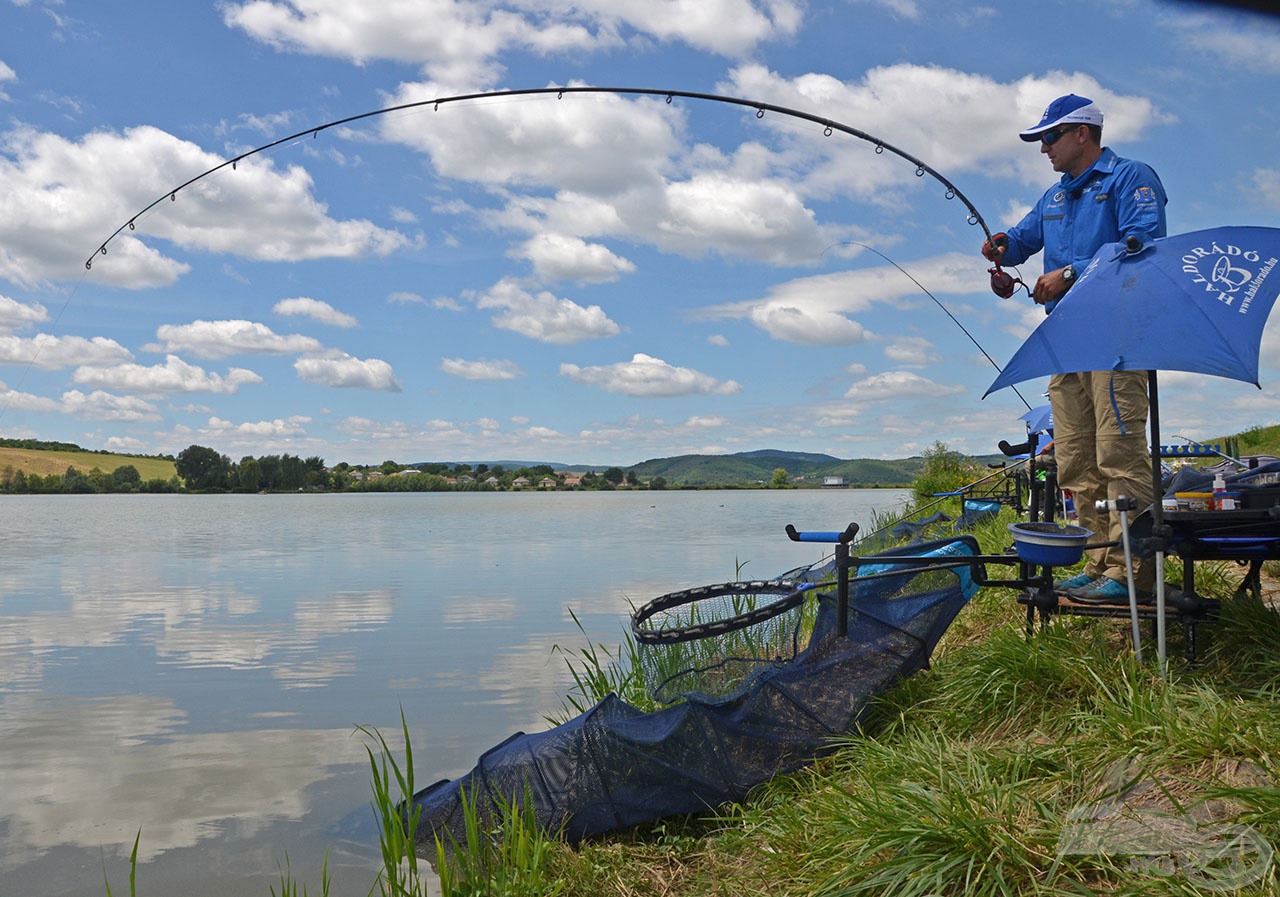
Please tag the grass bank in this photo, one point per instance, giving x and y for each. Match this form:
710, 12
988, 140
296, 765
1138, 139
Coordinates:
1055, 766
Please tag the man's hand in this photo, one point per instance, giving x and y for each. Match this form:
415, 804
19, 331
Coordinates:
994, 248
1049, 286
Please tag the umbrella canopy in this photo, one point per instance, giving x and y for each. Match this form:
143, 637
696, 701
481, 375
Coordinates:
1038, 419
1191, 302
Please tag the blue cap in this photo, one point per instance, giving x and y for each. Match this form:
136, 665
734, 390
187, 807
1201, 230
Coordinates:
1068, 110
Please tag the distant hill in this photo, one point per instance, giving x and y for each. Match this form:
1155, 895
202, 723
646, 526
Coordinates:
746, 468
45, 462
768, 455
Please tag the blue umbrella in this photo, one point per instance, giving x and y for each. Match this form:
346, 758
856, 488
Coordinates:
1039, 419
1191, 302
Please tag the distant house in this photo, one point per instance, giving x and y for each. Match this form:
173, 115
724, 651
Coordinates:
547, 483
572, 479
493, 481
835, 482
520, 483
466, 479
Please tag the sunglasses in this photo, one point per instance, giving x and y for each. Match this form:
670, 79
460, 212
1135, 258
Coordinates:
1049, 138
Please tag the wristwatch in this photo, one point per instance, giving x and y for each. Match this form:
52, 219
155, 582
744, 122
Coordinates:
1069, 274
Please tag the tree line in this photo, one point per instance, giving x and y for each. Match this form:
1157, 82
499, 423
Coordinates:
203, 469
124, 478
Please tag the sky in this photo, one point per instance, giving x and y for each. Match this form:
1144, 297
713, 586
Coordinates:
593, 279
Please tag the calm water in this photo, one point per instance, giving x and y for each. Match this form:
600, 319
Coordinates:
193, 667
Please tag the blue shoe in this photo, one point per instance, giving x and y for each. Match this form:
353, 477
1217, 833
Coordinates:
1105, 590
1079, 581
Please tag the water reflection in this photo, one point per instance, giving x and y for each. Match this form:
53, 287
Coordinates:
90, 773
194, 667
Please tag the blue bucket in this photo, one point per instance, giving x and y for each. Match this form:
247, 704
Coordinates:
1049, 544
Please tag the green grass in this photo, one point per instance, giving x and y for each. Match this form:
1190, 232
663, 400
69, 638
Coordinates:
1257, 440
47, 462
966, 777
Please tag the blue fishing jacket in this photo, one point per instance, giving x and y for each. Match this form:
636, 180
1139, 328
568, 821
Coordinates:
1115, 198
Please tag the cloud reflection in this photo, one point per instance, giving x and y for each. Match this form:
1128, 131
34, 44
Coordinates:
91, 773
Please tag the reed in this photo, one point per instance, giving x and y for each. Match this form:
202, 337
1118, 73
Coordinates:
504, 852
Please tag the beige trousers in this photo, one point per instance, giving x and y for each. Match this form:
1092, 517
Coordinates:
1100, 456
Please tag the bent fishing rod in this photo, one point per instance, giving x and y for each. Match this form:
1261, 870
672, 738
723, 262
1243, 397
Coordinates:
1000, 280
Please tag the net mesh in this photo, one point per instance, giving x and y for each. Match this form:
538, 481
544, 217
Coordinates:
616, 766
711, 643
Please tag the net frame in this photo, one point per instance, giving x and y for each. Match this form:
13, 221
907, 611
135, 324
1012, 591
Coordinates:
793, 595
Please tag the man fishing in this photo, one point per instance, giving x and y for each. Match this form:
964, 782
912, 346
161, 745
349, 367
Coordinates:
1099, 417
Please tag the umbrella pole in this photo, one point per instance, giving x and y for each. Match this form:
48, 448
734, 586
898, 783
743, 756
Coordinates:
1157, 516
1121, 506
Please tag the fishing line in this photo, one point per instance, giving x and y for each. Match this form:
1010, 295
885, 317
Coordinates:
937, 302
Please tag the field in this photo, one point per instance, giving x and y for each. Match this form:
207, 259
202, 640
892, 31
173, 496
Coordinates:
47, 462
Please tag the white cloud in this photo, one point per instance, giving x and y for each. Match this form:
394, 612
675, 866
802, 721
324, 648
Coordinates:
718, 339
481, 369
462, 41
401, 297
907, 9
51, 353
646, 376
1266, 187
314, 308
728, 27
1246, 42
762, 219
99, 405
293, 426
558, 257
6, 75
913, 350
338, 369
619, 168
598, 144
959, 121
12, 400
15, 314
62, 194
544, 317
812, 310
175, 375
218, 339
811, 327
128, 444
898, 385
700, 422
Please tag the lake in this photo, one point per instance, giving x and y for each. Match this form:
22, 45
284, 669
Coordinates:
193, 668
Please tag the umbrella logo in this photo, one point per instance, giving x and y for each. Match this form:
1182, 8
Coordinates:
1228, 277
1228, 273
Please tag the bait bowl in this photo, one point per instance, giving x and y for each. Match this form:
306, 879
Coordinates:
1049, 544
